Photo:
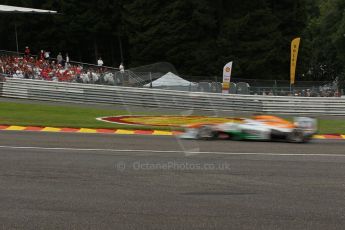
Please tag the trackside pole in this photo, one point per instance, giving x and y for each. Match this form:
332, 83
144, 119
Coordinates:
150, 80
15, 29
291, 89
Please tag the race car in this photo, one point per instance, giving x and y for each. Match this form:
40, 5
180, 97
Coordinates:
263, 127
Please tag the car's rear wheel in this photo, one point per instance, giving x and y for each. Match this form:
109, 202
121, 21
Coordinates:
297, 136
206, 133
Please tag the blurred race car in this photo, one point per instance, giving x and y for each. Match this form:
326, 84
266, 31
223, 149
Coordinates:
265, 128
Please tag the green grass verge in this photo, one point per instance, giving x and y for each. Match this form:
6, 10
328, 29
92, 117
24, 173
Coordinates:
24, 114
331, 126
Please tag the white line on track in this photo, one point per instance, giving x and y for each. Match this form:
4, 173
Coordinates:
188, 153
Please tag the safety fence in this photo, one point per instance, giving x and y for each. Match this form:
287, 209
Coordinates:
301, 88
15, 65
99, 94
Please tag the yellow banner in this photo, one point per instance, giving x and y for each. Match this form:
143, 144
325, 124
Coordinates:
294, 55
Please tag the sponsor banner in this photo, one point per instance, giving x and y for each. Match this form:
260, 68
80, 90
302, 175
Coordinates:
227, 77
294, 55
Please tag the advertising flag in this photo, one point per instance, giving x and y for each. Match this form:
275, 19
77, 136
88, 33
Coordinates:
227, 77
294, 54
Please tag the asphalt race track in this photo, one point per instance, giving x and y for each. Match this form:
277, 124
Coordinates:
78, 181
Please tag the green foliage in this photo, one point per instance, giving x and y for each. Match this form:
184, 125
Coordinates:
197, 36
181, 32
327, 36
252, 40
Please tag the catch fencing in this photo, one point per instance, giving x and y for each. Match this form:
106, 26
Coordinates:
145, 76
99, 94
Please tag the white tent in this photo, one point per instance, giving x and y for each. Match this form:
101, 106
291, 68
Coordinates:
16, 9
170, 80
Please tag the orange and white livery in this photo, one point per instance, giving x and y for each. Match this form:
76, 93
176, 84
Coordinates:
262, 127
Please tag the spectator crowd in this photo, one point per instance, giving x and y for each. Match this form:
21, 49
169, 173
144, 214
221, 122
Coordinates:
43, 67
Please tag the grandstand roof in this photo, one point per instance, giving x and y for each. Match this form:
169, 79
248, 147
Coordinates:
16, 9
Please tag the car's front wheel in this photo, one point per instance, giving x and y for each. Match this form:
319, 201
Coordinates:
206, 133
297, 136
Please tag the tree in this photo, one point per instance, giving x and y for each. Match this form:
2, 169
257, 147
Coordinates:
198, 37
249, 36
326, 34
182, 32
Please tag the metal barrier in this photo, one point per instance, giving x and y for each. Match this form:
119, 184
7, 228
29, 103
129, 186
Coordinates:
141, 76
99, 94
